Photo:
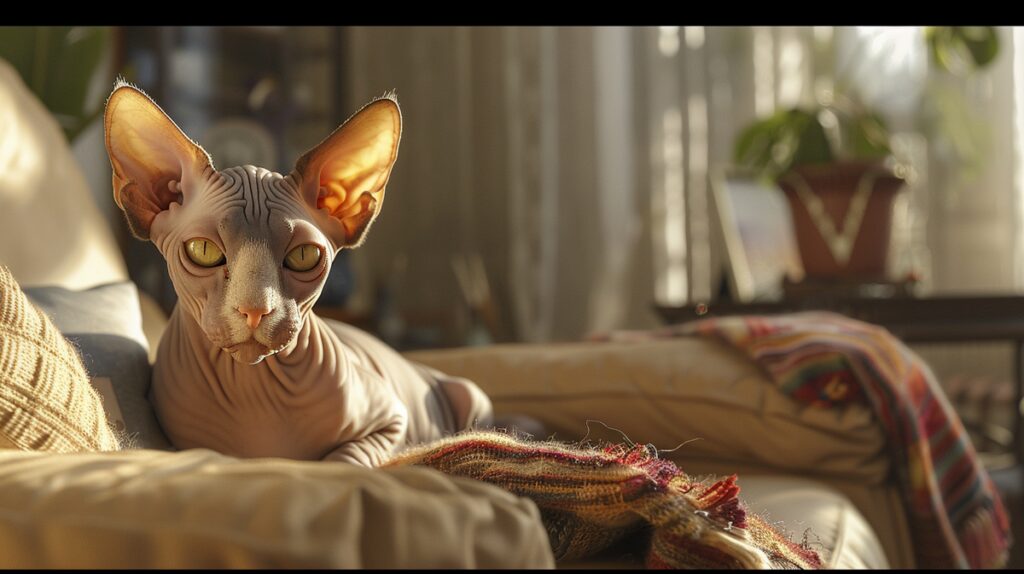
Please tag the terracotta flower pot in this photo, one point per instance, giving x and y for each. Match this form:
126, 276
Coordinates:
842, 216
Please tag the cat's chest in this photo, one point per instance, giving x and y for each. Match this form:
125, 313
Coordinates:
268, 409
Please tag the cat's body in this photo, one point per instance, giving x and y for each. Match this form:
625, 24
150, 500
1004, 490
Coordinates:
336, 393
245, 367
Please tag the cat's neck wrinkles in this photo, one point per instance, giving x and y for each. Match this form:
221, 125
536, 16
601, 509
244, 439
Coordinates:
306, 359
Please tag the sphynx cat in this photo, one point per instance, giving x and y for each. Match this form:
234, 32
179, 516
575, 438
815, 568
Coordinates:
245, 367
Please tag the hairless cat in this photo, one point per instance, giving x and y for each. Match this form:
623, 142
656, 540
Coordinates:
245, 367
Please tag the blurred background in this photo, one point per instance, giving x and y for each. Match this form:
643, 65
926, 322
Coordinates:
556, 182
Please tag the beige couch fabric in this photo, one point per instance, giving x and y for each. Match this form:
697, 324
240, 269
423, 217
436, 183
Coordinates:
669, 392
672, 391
46, 401
833, 525
52, 233
880, 505
199, 509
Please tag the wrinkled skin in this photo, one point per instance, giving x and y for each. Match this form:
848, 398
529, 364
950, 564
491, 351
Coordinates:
245, 367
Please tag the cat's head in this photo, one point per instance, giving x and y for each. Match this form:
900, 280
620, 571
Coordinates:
248, 250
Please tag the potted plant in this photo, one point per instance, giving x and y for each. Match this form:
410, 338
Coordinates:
834, 163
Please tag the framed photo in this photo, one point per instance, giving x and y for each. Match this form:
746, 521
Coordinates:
757, 231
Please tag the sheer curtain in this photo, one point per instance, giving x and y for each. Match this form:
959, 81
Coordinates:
520, 145
967, 133
575, 161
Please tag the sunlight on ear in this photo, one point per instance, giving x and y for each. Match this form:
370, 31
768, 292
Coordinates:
348, 176
373, 155
20, 155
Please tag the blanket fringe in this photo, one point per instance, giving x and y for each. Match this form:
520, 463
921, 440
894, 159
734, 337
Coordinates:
591, 498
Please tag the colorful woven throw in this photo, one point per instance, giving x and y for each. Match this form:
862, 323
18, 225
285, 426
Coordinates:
824, 359
591, 499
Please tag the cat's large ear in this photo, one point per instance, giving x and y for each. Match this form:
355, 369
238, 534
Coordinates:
153, 161
343, 177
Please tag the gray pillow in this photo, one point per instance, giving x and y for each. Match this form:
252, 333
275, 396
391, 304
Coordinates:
105, 324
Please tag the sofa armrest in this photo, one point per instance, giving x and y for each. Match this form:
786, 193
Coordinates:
668, 392
199, 509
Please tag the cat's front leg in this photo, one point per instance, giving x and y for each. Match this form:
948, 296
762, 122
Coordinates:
375, 420
374, 448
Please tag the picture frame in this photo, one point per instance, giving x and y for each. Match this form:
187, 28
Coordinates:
756, 228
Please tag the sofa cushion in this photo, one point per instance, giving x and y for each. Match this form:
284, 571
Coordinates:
804, 510
697, 393
881, 505
200, 509
672, 391
46, 402
827, 520
51, 231
105, 323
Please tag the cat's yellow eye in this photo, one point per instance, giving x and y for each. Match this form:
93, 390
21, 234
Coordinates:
303, 257
204, 252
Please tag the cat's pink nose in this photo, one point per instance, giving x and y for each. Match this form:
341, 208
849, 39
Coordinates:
253, 315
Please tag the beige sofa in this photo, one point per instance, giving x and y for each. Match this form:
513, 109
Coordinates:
819, 474
814, 470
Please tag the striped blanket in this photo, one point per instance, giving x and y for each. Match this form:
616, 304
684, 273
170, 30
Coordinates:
590, 499
824, 359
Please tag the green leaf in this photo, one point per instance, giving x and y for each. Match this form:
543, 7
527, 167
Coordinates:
58, 63
958, 49
867, 136
753, 148
812, 144
17, 46
771, 146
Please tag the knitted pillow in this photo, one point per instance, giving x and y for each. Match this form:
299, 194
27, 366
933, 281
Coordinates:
105, 324
46, 401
